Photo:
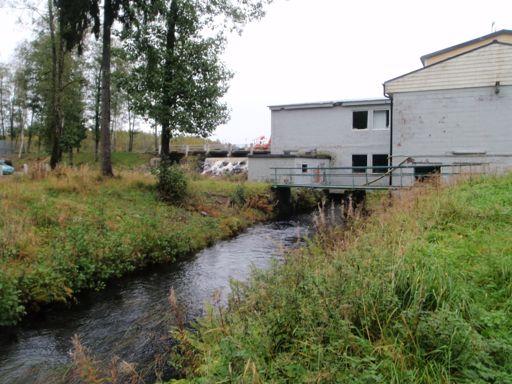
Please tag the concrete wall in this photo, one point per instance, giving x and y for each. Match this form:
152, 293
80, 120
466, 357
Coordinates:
260, 170
454, 126
328, 130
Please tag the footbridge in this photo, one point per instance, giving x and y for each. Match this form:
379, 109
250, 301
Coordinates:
371, 178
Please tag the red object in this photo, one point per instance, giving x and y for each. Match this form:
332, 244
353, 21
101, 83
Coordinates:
262, 144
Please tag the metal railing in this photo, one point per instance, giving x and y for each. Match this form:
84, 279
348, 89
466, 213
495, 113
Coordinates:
212, 148
375, 177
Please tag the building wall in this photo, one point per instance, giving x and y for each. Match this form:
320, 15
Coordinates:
5, 148
260, 170
328, 130
505, 38
480, 68
454, 126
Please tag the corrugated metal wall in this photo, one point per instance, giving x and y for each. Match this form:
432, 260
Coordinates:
5, 148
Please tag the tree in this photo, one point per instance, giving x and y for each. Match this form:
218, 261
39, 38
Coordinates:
4, 100
178, 76
58, 119
77, 16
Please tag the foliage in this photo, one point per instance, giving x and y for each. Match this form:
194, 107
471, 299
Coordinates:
172, 182
73, 231
239, 196
419, 292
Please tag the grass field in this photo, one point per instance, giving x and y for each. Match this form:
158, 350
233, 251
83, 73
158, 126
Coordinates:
73, 230
419, 292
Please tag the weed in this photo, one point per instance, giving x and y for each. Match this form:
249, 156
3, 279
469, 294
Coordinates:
418, 292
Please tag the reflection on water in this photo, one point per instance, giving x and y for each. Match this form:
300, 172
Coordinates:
127, 318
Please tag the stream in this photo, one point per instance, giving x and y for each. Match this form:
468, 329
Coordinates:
127, 319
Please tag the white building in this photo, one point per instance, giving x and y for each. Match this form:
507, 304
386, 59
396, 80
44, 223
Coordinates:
457, 109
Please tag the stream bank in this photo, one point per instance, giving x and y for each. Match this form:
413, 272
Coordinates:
129, 319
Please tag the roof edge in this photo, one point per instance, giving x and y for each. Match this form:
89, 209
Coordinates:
330, 104
464, 44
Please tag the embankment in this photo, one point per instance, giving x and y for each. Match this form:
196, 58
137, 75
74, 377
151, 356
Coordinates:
73, 231
419, 292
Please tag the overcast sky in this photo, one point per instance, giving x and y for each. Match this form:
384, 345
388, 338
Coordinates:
314, 50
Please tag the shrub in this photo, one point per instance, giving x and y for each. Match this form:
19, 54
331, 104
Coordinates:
10, 306
172, 182
239, 196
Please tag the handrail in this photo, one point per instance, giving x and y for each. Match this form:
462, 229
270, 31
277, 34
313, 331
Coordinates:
361, 177
416, 165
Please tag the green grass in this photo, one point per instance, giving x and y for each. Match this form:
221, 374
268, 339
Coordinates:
73, 231
120, 160
420, 292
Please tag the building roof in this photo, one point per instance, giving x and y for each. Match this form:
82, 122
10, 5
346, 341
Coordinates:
330, 104
424, 58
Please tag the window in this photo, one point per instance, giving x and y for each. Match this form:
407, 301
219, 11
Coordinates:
304, 168
359, 161
380, 161
360, 119
380, 119
425, 172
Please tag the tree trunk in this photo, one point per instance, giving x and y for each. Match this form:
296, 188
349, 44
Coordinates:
168, 75
97, 117
22, 134
106, 155
12, 133
30, 131
2, 116
57, 54
131, 126
155, 126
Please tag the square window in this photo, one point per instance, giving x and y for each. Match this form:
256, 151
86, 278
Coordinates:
360, 119
380, 119
304, 168
380, 161
424, 172
359, 161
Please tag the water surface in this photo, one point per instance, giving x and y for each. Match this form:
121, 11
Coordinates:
128, 319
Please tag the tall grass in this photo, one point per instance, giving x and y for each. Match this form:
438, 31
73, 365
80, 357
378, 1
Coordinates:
71, 230
419, 292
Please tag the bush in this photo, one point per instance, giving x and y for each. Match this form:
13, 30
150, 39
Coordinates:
239, 196
10, 307
172, 182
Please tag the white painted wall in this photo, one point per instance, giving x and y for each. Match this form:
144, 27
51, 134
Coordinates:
447, 125
328, 130
260, 170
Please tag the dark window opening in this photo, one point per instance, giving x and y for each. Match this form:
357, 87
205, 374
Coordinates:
387, 119
380, 161
304, 168
359, 162
360, 119
424, 172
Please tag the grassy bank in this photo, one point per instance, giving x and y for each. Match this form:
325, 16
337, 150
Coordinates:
120, 160
73, 231
420, 292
